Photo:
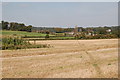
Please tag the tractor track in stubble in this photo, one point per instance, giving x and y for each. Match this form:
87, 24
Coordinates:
93, 62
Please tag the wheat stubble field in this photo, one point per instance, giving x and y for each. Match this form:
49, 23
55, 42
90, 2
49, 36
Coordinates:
66, 59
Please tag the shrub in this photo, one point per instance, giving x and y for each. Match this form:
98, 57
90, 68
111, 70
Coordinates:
19, 43
47, 36
77, 36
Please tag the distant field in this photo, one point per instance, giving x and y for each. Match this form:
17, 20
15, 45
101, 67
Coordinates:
62, 38
32, 35
22, 33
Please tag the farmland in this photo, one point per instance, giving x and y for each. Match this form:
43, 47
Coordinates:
31, 35
21, 33
96, 58
59, 40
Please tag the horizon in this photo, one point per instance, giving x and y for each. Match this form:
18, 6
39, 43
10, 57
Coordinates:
62, 14
64, 26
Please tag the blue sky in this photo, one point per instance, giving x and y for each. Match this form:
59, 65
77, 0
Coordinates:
61, 14
59, 0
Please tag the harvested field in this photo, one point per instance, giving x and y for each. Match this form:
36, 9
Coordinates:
66, 59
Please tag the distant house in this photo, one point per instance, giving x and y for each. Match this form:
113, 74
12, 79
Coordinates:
71, 33
89, 34
108, 30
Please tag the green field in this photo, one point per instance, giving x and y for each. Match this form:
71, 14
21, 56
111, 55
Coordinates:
21, 33
32, 35
62, 38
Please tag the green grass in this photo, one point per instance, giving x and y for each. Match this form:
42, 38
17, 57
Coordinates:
59, 33
21, 33
95, 65
63, 38
32, 35
109, 64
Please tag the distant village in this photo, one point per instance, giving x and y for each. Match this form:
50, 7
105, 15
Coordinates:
75, 31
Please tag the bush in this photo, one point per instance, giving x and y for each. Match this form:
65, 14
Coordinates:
77, 36
47, 36
18, 43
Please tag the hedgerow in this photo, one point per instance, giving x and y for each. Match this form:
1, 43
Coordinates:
19, 43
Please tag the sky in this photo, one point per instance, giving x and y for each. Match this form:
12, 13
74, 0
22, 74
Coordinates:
61, 14
60, 0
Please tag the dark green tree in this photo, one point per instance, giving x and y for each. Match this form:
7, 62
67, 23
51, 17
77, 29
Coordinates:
5, 25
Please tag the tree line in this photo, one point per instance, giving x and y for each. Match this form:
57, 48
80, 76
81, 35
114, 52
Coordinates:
53, 29
95, 30
16, 26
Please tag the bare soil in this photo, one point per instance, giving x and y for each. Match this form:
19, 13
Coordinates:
66, 59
